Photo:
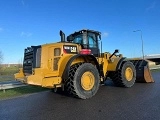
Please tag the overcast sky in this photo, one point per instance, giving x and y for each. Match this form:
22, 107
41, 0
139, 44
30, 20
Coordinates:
33, 22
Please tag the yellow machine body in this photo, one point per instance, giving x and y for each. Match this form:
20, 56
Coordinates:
49, 66
52, 67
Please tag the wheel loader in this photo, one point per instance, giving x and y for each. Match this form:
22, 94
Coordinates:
78, 66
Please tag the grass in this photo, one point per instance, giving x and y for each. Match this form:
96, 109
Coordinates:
9, 70
9, 93
7, 73
6, 78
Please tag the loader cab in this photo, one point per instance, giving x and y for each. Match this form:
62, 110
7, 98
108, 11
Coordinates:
88, 39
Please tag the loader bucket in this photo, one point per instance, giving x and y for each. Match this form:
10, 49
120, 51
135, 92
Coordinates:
143, 73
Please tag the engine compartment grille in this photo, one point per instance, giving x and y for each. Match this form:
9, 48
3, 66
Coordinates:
28, 60
31, 59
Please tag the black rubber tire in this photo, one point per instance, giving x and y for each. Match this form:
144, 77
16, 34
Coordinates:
119, 78
73, 83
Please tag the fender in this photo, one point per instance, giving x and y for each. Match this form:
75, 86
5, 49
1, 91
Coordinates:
120, 62
66, 71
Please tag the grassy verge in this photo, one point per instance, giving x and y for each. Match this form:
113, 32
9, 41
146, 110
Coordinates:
20, 91
9, 70
6, 78
7, 73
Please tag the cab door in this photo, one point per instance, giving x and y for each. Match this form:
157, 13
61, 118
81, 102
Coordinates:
93, 46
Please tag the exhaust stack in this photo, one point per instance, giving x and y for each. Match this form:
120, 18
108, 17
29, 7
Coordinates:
62, 36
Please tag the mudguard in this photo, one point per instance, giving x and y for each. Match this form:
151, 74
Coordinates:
67, 68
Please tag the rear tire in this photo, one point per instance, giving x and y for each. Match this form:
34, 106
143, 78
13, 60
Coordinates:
125, 76
83, 80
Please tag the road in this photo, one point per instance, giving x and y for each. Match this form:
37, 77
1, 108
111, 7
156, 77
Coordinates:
142, 101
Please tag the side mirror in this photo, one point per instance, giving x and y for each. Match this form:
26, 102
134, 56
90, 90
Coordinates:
116, 51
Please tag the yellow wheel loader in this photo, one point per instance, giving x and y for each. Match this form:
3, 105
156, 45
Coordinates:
77, 65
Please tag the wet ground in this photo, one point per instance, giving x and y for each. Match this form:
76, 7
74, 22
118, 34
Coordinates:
142, 101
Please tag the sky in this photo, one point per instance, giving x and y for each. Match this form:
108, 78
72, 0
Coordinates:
24, 23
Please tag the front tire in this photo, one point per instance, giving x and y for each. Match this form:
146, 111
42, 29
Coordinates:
125, 76
83, 81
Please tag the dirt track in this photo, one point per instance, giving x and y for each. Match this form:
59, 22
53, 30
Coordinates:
110, 103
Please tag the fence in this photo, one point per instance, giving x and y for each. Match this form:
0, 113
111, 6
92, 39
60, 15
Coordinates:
10, 84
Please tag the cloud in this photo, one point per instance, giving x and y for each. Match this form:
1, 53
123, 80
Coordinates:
26, 34
105, 34
1, 29
152, 6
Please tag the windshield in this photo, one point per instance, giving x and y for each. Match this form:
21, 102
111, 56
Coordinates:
89, 40
78, 39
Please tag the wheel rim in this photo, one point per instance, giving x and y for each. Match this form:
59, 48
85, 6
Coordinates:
129, 74
87, 81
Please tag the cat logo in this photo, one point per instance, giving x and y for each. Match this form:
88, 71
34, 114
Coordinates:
70, 49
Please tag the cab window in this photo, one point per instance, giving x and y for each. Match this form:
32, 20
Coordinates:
78, 39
